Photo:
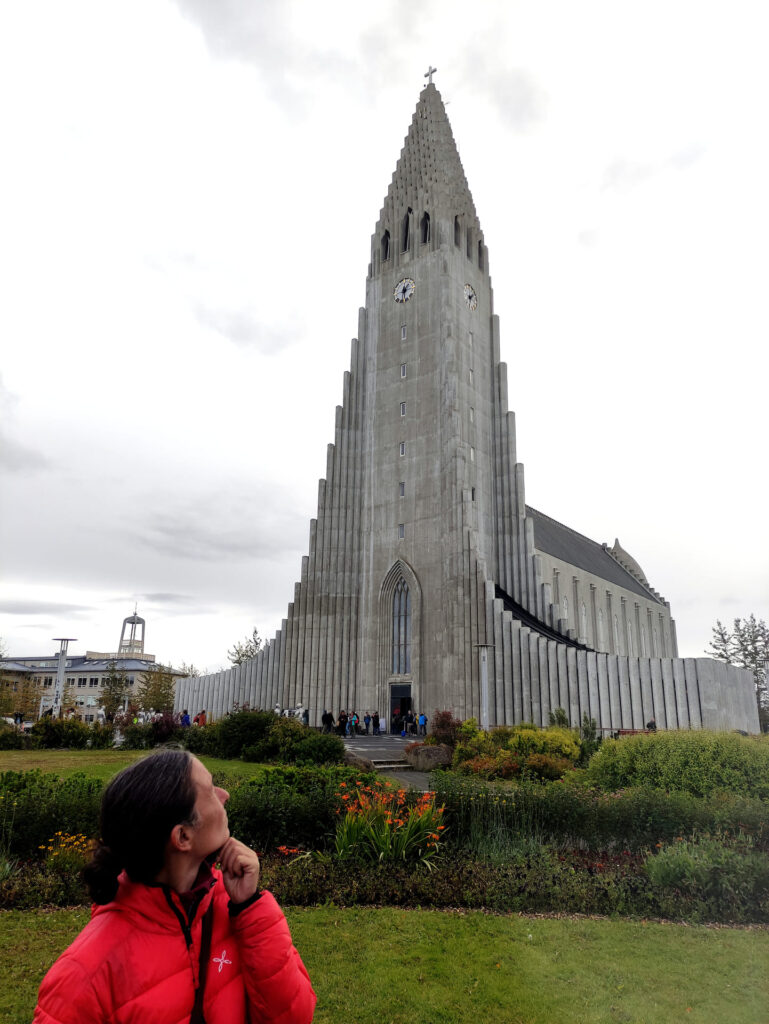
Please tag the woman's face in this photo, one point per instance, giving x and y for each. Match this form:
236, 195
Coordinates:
210, 829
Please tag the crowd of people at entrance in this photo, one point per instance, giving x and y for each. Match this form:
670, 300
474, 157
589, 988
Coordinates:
349, 723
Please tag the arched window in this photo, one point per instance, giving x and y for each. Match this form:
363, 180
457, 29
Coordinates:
386, 246
480, 254
425, 228
406, 231
401, 660
457, 233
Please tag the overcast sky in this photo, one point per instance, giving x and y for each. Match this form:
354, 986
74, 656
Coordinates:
188, 193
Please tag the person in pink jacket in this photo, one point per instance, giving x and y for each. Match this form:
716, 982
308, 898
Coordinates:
173, 939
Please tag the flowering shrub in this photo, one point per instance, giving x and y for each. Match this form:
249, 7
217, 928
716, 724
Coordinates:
66, 853
382, 823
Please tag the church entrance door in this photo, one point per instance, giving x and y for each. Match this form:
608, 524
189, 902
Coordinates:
400, 705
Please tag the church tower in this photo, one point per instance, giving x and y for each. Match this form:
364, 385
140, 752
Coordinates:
430, 488
424, 553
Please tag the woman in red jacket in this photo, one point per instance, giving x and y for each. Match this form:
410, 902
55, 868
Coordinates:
172, 940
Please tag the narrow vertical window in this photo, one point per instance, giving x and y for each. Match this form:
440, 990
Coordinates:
403, 448
469, 243
566, 608
401, 531
470, 377
480, 254
403, 369
402, 489
601, 631
457, 233
403, 332
472, 494
583, 623
403, 408
472, 454
470, 338
616, 636
386, 246
425, 228
406, 231
472, 414
401, 647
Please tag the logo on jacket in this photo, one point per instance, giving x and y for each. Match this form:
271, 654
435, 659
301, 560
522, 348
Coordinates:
222, 960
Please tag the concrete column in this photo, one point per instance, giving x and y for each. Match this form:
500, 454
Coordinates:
658, 694
682, 703
693, 692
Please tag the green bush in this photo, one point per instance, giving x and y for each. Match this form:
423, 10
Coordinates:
10, 739
546, 766
554, 741
102, 736
296, 806
137, 736
202, 739
698, 762
319, 749
243, 729
482, 814
36, 805
721, 875
52, 733
543, 880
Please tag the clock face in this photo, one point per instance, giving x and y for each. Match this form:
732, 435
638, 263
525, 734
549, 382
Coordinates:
471, 299
404, 290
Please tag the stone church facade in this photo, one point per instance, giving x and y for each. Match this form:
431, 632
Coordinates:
424, 559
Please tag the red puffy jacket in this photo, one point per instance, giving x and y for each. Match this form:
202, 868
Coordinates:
136, 962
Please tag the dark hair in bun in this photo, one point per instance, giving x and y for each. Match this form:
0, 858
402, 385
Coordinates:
139, 808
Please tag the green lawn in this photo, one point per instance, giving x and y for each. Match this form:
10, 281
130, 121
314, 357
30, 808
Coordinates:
103, 764
389, 966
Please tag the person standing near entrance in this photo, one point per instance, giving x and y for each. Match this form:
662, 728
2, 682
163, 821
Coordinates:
375, 722
422, 723
367, 721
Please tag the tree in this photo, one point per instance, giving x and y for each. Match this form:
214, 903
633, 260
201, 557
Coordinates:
246, 651
746, 645
157, 689
189, 671
19, 693
114, 691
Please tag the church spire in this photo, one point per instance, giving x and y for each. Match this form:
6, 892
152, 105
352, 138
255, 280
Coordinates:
428, 198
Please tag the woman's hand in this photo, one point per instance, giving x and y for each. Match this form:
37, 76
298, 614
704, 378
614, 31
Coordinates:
240, 870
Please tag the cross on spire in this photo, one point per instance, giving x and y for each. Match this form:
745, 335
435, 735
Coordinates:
429, 74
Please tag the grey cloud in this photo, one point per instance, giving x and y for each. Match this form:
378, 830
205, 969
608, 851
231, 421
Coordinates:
626, 174
14, 456
243, 327
18, 458
688, 156
517, 96
228, 529
31, 607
